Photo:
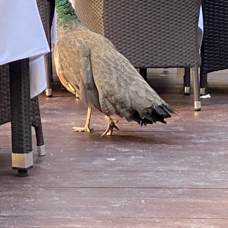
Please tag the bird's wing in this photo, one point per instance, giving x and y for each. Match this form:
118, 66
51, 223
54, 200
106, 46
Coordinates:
123, 88
63, 70
73, 55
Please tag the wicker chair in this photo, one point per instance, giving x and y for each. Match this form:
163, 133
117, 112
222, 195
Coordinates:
214, 50
151, 34
46, 10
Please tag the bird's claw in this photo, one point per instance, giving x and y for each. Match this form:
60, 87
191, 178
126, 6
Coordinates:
81, 129
111, 126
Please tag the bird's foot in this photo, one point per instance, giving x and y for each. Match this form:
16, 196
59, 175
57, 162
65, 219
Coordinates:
111, 126
81, 129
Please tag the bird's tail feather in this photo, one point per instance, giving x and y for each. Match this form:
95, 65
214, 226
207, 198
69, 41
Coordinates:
158, 114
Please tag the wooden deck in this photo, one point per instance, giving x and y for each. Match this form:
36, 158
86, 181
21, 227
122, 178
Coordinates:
158, 176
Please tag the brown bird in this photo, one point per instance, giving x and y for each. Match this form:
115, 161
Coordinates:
89, 66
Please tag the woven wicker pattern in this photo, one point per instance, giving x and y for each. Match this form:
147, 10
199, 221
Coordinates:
36, 121
214, 50
149, 33
4, 94
43, 7
93, 18
20, 106
29, 116
46, 10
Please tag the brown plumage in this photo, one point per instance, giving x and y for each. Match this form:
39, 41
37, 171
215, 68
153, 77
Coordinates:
89, 65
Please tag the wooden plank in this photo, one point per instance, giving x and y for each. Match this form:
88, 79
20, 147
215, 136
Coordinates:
172, 175
88, 222
115, 203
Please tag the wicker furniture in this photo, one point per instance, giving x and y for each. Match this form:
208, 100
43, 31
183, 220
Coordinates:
46, 10
151, 34
214, 50
16, 106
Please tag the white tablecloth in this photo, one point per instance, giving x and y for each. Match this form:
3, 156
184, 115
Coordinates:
200, 23
22, 36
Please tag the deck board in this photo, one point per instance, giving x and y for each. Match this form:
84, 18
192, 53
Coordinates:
159, 176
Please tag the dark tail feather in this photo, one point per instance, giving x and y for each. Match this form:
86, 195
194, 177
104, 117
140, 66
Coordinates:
154, 115
159, 113
168, 108
164, 110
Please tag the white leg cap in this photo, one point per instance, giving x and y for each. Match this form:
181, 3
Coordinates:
186, 90
48, 92
41, 150
197, 105
202, 91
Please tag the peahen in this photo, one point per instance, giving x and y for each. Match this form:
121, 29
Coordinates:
89, 66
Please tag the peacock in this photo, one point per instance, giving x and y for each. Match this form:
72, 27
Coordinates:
89, 66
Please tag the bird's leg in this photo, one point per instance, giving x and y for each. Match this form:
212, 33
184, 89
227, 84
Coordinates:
86, 128
111, 126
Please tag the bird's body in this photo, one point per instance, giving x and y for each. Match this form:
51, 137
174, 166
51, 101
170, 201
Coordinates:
89, 65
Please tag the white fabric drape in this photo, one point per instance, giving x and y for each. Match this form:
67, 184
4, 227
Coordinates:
22, 36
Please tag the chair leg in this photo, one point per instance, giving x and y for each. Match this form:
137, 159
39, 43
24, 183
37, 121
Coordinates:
46, 9
203, 83
196, 89
48, 74
39, 137
22, 155
36, 123
143, 72
187, 81
48, 57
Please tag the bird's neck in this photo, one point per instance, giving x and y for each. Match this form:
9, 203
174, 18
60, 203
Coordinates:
66, 16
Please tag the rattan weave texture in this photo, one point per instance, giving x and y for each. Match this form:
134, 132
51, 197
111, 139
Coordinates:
149, 33
4, 94
7, 97
46, 10
43, 10
90, 13
214, 49
20, 106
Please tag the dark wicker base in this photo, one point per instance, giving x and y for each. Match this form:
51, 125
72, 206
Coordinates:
214, 50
